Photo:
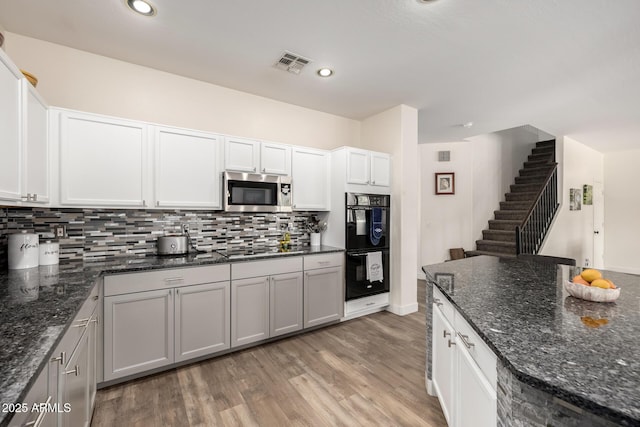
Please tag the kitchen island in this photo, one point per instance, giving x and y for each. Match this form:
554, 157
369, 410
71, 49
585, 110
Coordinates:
38, 305
560, 360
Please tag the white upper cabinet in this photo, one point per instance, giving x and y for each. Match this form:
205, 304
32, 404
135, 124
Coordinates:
310, 179
103, 161
10, 130
275, 159
368, 167
35, 170
188, 168
247, 155
357, 166
241, 155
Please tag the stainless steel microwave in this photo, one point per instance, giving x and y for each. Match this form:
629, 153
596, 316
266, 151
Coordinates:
250, 192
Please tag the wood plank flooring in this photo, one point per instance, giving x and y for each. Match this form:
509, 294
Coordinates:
365, 372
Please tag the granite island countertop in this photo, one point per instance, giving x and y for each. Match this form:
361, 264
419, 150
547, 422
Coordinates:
545, 337
37, 305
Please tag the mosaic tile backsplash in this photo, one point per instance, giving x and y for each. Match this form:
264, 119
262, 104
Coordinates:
98, 234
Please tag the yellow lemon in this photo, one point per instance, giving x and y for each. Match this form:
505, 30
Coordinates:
600, 283
591, 274
611, 284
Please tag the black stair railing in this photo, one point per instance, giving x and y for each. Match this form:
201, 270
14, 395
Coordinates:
531, 233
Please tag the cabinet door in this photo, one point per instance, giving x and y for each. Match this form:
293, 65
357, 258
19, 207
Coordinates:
36, 147
203, 320
443, 362
92, 353
310, 179
380, 169
323, 296
241, 155
138, 332
475, 398
249, 310
357, 166
275, 159
103, 161
38, 394
285, 293
74, 380
187, 169
10, 129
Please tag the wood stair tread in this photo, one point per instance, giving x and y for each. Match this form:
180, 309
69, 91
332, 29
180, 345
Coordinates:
497, 243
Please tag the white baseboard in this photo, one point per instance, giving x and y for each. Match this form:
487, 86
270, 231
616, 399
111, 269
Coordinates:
403, 310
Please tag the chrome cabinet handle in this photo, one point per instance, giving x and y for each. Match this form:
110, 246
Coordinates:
264, 170
373, 182
174, 280
76, 371
82, 323
60, 358
144, 203
437, 302
254, 168
465, 340
157, 203
451, 343
95, 297
445, 333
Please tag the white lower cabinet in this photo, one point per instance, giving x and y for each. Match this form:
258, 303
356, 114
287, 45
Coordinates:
38, 394
285, 304
463, 369
266, 299
157, 318
250, 321
202, 320
138, 332
323, 289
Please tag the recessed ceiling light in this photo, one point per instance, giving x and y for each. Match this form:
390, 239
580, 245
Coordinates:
142, 7
467, 125
325, 72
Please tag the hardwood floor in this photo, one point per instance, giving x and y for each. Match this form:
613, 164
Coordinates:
364, 372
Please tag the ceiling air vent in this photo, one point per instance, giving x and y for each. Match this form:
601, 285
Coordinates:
444, 156
292, 63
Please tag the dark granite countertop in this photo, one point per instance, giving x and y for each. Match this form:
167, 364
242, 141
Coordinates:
37, 305
544, 336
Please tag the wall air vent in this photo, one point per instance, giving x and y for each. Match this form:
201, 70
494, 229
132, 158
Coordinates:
292, 63
444, 156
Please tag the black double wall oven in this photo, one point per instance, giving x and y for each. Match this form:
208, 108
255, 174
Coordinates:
367, 244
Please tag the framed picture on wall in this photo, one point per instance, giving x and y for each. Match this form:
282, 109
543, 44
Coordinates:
575, 199
446, 183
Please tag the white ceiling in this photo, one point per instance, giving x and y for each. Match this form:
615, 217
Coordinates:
568, 67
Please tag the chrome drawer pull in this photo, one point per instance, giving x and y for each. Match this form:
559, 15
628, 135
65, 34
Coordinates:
451, 343
174, 280
59, 358
75, 371
445, 333
465, 339
437, 302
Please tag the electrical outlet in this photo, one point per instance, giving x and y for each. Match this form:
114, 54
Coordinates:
60, 231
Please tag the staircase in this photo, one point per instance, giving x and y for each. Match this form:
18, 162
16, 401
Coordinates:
500, 238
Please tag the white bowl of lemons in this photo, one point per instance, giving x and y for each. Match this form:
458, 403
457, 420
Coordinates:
591, 286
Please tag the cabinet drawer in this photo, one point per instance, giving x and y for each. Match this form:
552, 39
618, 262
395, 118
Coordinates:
444, 304
160, 279
477, 348
312, 262
268, 267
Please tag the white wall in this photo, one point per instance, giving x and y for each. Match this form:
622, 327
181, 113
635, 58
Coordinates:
83, 81
395, 131
571, 234
446, 221
622, 211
